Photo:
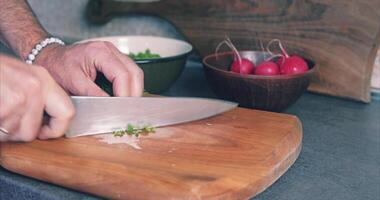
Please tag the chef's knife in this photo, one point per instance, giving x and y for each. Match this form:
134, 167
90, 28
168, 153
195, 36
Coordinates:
95, 115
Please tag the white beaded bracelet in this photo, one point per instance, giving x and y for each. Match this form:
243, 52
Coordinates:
36, 50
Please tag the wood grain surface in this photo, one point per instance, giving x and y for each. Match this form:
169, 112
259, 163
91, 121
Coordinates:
342, 37
235, 155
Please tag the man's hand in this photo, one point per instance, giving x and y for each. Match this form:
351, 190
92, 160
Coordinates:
27, 91
74, 67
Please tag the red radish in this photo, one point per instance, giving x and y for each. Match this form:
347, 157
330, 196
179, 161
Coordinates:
245, 66
235, 66
294, 65
289, 64
239, 65
279, 62
267, 68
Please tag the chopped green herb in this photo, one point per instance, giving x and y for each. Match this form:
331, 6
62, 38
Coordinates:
134, 130
143, 55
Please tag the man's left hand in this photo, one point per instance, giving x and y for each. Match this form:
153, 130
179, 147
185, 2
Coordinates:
75, 66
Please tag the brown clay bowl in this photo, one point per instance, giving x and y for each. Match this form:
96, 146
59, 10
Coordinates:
271, 93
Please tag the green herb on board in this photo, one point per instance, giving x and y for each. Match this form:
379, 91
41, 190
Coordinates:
132, 130
143, 55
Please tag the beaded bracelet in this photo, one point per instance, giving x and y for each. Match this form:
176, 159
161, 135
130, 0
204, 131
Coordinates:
37, 49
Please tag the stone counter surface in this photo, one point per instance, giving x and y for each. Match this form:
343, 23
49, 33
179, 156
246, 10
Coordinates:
339, 160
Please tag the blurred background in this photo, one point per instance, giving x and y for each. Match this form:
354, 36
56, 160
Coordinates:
67, 19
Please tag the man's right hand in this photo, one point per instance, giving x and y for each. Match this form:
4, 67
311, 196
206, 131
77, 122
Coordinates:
27, 91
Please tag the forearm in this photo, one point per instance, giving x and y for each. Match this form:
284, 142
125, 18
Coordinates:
19, 28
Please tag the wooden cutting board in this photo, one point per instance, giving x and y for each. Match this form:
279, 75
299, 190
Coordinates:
342, 37
235, 155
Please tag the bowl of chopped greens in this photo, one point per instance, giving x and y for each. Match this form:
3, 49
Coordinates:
161, 59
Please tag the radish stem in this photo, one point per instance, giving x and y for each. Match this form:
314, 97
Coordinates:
228, 42
263, 49
274, 56
232, 46
218, 47
280, 45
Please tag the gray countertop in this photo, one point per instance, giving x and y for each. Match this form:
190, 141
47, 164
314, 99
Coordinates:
339, 160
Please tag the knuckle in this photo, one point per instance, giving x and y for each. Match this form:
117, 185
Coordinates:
93, 47
99, 44
94, 44
16, 101
135, 72
19, 99
124, 74
108, 44
34, 84
42, 72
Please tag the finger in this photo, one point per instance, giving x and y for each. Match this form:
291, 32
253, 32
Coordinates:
122, 85
136, 82
4, 137
87, 87
61, 110
136, 73
11, 123
25, 121
24, 127
12, 103
31, 121
121, 71
114, 71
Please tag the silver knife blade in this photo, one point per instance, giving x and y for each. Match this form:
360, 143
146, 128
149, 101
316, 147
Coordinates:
96, 115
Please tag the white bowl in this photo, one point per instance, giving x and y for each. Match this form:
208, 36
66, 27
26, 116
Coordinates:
165, 47
160, 73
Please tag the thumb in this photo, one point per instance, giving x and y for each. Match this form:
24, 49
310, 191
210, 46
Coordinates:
89, 88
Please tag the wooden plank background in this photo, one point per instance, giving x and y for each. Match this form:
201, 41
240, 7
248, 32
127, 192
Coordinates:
375, 81
341, 36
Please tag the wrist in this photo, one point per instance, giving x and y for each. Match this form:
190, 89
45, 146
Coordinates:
29, 44
41, 47
46, 55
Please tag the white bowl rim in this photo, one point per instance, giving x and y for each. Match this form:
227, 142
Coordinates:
187, 46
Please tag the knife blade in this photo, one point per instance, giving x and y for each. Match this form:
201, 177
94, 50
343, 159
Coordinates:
96, 115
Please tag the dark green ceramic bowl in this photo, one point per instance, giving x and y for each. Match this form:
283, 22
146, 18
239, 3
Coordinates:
159, 73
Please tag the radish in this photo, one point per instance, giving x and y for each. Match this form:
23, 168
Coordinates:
267, 68
294, 65
239, 64
289, 64
244, 66
279, 62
